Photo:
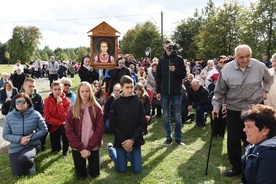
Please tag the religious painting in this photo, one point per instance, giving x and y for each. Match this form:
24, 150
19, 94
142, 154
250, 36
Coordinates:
104, 49
104, 46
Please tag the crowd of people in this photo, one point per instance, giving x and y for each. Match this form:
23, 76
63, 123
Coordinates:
122, 101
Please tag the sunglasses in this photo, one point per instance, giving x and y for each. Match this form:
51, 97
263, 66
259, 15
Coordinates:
67, 85
17, 102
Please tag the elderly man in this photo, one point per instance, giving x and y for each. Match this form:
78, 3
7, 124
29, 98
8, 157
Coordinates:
198, 99
244, 81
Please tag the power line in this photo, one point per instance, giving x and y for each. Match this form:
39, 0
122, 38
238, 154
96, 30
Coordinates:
73, 19
83, 18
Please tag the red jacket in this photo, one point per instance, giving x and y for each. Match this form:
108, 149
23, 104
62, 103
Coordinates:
73, 129
55, 114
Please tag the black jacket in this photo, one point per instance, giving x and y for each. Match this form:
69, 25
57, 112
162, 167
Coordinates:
107, 107
146, 105
168, 82
259, 163
116, 75
18, 80
127, 120
3, 94
86, 75
198, 98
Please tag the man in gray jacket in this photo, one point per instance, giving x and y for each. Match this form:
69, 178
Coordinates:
244, 81
53, 68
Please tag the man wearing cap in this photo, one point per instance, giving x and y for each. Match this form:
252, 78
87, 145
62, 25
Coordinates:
243, 81
169, 75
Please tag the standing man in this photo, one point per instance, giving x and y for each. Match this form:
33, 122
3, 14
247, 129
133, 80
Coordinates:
244, 81
169, 75
53, 68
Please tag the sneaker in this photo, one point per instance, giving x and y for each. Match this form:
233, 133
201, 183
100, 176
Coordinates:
32, 170
168, 142
109, 145
179, 143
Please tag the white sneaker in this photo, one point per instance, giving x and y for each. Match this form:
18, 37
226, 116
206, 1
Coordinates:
109, 145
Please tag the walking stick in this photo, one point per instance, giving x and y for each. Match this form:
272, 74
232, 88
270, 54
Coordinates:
210, 146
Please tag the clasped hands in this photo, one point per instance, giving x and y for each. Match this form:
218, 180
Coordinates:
127, 145
25, 140
85, 153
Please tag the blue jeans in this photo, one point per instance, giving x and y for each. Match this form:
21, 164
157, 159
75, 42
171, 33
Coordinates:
22, 161
106, 125
200, 117
176, 102
119, 157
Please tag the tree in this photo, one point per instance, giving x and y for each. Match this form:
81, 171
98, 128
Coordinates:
82, 51
46, 53
143, 35
220, 33
184, 37
259, 25
3, 50
71, 55
24, 43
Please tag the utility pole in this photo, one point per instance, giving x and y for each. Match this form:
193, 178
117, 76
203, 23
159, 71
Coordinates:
161, 33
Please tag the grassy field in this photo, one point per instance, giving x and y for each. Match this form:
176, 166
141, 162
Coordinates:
6, 68
172, 164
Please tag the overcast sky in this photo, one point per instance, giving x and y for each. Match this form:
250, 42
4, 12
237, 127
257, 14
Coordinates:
65, 23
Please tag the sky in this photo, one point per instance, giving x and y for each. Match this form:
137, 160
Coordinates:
65, 23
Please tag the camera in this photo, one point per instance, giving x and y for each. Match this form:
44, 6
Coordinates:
172, 48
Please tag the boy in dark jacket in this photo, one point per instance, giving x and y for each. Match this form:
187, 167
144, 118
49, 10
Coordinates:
127, 123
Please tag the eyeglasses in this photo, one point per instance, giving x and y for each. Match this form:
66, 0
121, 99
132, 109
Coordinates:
67, 85
17, 102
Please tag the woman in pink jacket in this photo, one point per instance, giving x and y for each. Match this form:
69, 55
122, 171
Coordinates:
84, 130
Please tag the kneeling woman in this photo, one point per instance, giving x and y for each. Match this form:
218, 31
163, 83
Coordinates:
23, 128
84, 130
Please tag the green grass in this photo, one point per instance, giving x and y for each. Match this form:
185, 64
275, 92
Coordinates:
160, 165
6, 68
172, 164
